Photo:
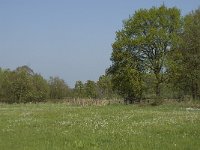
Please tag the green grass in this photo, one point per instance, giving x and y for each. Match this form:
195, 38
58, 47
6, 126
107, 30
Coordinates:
58, 126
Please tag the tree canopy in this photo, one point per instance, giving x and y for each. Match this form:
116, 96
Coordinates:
142, 45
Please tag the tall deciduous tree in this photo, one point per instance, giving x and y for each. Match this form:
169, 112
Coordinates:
146, 39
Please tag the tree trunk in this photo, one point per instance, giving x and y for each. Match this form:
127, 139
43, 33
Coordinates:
158, 82
157, 89
194, 91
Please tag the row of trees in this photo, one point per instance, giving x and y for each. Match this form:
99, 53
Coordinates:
23, 85
102, 89
157, 51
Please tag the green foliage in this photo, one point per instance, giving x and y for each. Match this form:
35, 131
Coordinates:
105, 87
185, 63
142, 47
191, 53
4, 84
91, 89
58, 88
125, 76
41, 88
102, 89
22, 85
79, 90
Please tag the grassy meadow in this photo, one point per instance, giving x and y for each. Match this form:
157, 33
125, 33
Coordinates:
59, 126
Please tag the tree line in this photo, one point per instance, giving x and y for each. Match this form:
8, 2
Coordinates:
22, 85
102, 89
156, 54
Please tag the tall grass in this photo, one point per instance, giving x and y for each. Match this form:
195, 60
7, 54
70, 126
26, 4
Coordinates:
59, 126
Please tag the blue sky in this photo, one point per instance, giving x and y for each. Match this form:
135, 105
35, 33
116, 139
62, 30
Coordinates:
67, 38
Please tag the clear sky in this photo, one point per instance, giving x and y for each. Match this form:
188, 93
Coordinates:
67, 38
